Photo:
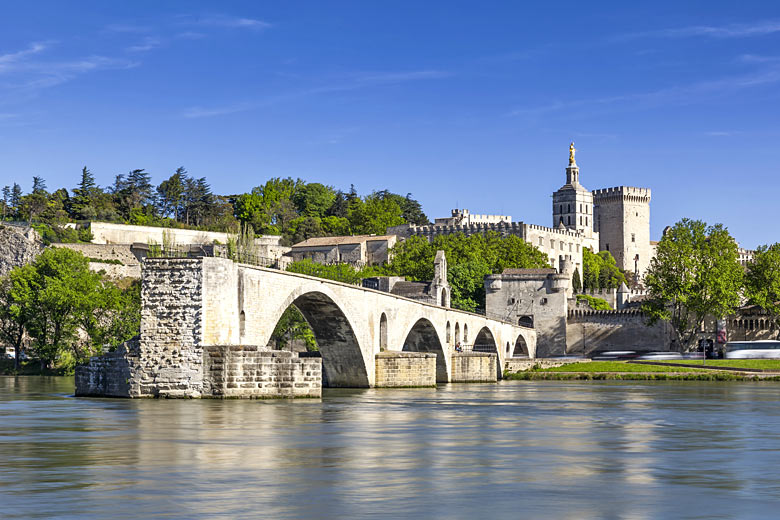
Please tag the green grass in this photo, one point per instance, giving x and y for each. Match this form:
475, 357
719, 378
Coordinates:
540, 375
763, 364
614, 366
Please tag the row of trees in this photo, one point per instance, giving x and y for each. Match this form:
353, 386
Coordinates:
293, 208
298, 210
696, 274
66, 311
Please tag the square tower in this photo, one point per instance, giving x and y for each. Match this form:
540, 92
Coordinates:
573, 203
622, 218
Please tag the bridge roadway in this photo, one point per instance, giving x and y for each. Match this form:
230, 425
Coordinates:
188, 304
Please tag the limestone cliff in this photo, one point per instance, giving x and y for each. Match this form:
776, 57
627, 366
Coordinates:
18, 246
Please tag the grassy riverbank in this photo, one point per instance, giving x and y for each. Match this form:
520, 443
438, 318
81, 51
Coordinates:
754, 364
622, 371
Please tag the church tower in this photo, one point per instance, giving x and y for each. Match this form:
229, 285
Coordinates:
573, 203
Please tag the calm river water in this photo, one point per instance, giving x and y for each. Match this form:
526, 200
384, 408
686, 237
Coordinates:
511, 450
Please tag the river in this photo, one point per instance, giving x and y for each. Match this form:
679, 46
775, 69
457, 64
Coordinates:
523, 449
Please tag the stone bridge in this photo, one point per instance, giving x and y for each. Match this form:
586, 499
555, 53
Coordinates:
191, 304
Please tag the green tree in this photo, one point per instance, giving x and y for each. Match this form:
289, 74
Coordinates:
762, 280
469, 260
313, 199
696, 273
16, 307
82, 204
170, 193
576, 282
374, 215
293, 326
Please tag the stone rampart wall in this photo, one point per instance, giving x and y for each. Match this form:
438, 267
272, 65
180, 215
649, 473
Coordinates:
598, 331
474, 367
405, 369
129, 266
241, 371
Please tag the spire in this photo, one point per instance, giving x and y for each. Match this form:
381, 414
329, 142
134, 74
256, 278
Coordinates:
572, 171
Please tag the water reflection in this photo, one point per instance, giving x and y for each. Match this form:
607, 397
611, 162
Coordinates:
522, 449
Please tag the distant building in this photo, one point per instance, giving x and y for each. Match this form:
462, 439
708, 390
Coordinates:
356, 250
462, 217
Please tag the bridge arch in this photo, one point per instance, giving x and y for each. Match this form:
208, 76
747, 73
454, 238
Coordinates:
422, 337
485, 341
521, 347
343, 364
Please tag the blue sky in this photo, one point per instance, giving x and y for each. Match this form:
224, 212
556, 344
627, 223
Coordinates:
460, 103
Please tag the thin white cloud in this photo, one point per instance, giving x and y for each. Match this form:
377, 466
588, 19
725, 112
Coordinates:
354, 82
222, 20
401, 77
125, 28
742, 30
23, 73
675, 95
146, 45
7, 60
199, 112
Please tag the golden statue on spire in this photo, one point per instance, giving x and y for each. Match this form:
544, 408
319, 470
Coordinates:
572, 162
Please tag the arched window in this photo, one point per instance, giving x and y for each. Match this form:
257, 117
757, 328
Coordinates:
465, 333
241, 326
449, 334
383, 332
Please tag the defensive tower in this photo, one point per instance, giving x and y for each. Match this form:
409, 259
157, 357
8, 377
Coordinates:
622, 219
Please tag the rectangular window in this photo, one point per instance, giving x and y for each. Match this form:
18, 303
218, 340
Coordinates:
633, 237
580, 220
561, 246
607, 247
552, 244
571, 248
541, 241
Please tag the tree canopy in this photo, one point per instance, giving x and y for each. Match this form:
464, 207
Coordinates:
65, 308
695, 273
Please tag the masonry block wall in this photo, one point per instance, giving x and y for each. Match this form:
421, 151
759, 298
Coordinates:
241, 371
474, 367
171, 358
597, 331
405, 369
110, 375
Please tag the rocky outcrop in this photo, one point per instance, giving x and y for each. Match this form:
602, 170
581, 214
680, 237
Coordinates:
18, 246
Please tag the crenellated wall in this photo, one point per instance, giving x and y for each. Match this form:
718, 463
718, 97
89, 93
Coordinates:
597, 331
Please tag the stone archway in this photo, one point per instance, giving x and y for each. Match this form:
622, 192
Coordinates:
486, 342
521, 347
342, 359
423, 338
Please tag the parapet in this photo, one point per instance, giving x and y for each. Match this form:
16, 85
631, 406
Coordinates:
621, 193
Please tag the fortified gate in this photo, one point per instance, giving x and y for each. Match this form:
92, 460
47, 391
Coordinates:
205, 319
